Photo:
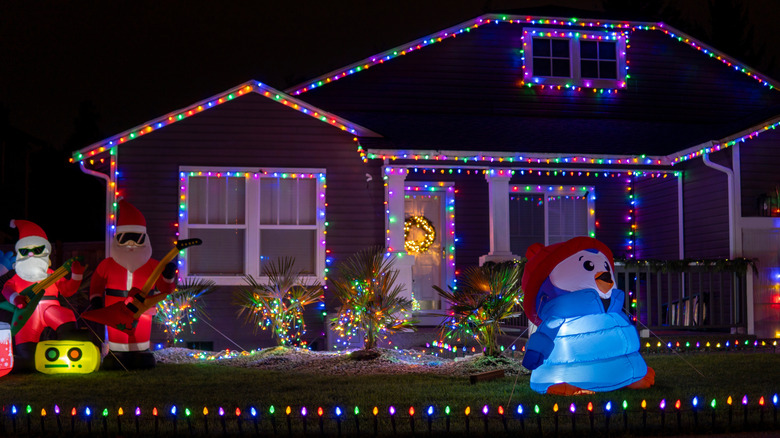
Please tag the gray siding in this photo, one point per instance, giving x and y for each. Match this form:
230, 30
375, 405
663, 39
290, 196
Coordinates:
705, 206
247, 132
759, 161
657, 218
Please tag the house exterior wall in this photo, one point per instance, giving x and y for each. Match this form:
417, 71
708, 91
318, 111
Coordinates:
657, 218
759, 159
706, 209
252, 131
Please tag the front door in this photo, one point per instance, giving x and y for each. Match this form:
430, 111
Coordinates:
425, 216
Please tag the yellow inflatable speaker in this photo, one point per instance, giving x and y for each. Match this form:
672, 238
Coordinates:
66, 357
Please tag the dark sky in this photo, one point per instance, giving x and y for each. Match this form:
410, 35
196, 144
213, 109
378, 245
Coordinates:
138, 60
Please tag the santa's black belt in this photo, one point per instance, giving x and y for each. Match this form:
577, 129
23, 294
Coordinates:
116, 293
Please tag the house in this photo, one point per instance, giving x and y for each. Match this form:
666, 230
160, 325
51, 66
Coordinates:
483, 138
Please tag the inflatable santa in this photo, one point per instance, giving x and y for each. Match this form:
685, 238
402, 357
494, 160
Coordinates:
585, 342
32, 265
127, 269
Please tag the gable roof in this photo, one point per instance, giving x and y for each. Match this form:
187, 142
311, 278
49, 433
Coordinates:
463, 98
212, 102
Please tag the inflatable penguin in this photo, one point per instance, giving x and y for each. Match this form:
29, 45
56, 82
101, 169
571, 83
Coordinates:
585, 342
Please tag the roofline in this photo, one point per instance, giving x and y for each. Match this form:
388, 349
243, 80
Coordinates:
214, 101
523, 158
467, 26
711, 146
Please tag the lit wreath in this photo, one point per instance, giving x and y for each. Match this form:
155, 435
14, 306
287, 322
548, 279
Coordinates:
423, 223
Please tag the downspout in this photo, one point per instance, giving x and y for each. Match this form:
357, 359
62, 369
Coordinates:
730, 177
109, 199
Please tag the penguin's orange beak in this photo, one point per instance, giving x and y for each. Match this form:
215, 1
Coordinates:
604, 281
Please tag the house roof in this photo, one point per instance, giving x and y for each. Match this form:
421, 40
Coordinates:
214, 101
459, 92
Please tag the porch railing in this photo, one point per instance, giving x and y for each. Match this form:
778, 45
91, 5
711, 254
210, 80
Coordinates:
673, 295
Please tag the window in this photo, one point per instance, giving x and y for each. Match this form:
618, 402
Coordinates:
588, 59
248, 218
550, 216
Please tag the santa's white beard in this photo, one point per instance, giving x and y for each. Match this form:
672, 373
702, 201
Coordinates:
33, 269
131, 257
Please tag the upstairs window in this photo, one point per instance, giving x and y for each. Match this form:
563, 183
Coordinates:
588, 59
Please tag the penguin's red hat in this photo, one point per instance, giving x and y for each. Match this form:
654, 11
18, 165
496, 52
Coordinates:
541, 260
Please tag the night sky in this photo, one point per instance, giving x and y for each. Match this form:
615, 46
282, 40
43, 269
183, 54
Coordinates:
72, 73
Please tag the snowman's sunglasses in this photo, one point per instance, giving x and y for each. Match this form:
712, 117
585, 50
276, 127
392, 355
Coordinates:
38, 250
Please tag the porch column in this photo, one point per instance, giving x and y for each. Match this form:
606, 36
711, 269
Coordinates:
498, 198
394, 226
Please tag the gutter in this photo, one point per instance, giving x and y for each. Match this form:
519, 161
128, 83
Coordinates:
732, 217
109, 200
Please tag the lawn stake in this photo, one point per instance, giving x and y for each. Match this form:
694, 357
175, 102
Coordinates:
320, 411
119, 414
468, 411
522, 419
43, 423
156, 421
289, 420
625, 415
391, 409
187, 414
13, 418
29, 420
206, 419
105, 421
538, 419
175, 419
713, 403
761, 410
89, 421
56, 415
662, 405
555, 415
338, 419
253, 411
447, 419
774, 403
745, 409
238, 422
607, 415
503, 418
677, 406
731, 412
573, 409
271, 411
590, 416
695, 412
137, 415
376, 420
357, 420
221, 413
485, 411
430, 419
303, 416
411, 418
644, 414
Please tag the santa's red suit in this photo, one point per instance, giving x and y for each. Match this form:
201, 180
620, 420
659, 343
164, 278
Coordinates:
129, 266
32, 266
49, 312
113, 280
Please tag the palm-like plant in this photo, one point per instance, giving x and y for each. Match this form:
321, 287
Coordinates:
370, 298
278, 303
181, 309
485, 296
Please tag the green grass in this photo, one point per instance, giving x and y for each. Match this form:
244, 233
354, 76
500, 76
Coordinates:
193, 386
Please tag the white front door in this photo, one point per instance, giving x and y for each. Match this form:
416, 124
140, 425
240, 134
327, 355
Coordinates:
428, 269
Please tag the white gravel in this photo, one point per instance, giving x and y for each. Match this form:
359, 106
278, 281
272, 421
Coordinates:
299, 360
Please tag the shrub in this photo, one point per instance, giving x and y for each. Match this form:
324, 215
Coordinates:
485, 296
278, 303
370, 298
181, 309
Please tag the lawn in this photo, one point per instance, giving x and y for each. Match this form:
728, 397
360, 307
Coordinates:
213, 385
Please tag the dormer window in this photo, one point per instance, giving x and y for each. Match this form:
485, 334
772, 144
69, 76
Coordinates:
585, 59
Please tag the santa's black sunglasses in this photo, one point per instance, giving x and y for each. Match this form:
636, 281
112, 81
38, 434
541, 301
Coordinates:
38, 250
138, 238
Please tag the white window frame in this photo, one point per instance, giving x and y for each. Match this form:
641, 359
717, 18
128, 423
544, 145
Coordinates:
576, 79
252, 224
547, 191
